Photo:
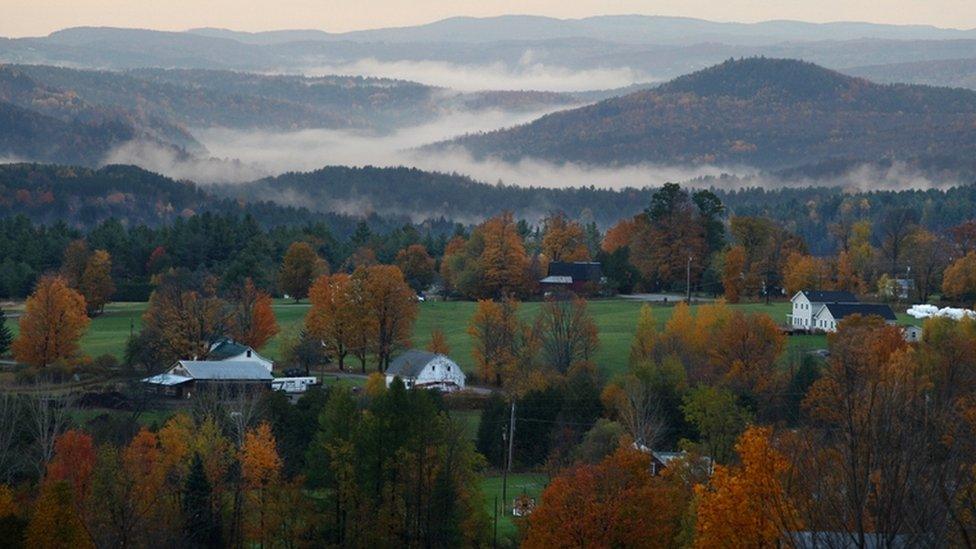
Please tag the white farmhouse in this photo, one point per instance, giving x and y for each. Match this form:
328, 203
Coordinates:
807, 303
228, 349
423, 369
830, 314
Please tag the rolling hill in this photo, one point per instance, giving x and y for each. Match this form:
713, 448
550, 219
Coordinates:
765, 113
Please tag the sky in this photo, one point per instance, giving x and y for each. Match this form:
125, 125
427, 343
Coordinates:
20, 18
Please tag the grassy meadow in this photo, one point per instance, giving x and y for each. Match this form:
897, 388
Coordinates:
615, 318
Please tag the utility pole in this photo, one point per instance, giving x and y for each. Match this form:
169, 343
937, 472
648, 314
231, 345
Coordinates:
494, 540
688, 280
508, 462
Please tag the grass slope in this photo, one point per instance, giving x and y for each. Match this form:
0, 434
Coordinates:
615, 319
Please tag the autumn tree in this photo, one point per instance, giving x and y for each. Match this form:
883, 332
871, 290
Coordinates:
299, 268
614, 503
746, 505
959, 280
391, 307
438, 343
503, 263
567, 333
334, 318
252, 320
563, 239
261, 471
618, 236
54, 320
417, 266
963, 237
55, 522
926, 255
802, 272
184, 318
744, 351
669, 236
645, 336
733, 273
845, 277
96, 283
495, 330
74, 261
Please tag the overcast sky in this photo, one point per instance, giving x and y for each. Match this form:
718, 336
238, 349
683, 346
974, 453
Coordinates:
40, 17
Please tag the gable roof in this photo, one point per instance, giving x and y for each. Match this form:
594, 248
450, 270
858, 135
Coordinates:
410, 363
821, 296
225, 370
580, 271
844, 310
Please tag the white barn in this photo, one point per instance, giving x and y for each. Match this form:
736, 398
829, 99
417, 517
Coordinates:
423, 369
830, 314
806, 304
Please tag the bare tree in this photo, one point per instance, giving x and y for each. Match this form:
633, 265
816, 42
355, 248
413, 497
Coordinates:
566, 332
47, 418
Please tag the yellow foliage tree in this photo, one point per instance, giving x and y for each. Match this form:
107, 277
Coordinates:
564, 239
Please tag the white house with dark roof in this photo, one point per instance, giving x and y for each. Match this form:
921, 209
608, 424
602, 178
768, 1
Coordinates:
423, 369
806, 304
830, 314
228, 349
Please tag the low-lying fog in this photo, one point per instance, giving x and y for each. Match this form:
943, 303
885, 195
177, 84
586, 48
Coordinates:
240, 156
527, 74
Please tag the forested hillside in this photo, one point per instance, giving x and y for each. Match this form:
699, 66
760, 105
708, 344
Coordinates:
769, 113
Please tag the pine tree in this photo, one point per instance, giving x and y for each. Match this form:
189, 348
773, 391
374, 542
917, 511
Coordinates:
6, 336
201, 524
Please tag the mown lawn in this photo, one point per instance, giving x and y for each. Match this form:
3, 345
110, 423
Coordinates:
615, 318
530, 484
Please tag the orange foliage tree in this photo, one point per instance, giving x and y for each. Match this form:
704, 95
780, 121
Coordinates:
615, 503
563, 239
503, 262
335, 317
618, 236
391, 308
54, 320
183, 320
438, 343
746, 505
959, 279
252, 320
802, 272
733, 273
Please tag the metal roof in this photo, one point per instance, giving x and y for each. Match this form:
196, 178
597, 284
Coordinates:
844, 310
580, 271
552, 279
167, 379
225, 370
411, 363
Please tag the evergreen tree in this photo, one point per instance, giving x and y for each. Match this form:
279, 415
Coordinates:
6, 336
494, 423
201, 524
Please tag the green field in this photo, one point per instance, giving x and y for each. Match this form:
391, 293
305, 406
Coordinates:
614, 317
530, 484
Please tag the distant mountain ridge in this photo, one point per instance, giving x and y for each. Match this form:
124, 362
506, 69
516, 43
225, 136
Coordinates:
766, 113
648, 29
